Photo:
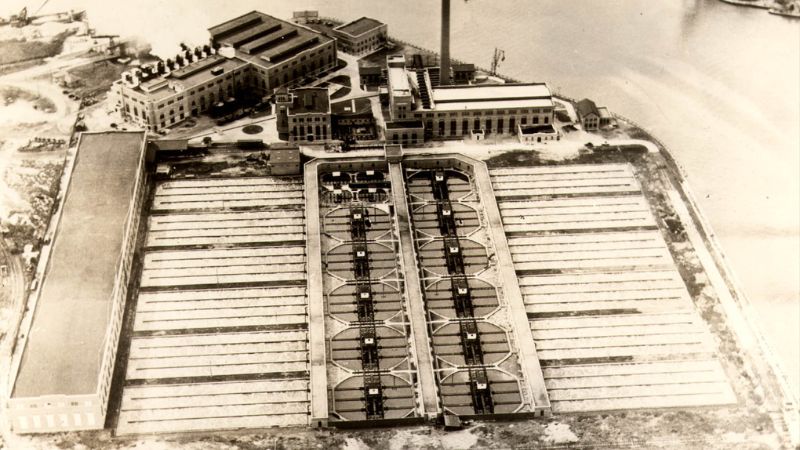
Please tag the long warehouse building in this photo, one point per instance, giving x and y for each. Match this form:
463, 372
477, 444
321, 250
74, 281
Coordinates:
66, 365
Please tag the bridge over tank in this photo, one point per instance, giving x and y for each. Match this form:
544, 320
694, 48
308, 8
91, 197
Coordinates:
484, 356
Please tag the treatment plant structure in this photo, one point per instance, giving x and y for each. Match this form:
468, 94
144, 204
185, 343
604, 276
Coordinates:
390, 286
381, 290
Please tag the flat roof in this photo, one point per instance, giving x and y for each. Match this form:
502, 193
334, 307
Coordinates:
353, 106
266, 40
359, 26
310, 101
442, 94
191, 75
65, 344
398, 81
197, 66
204, 76
496, 96
370, 70
533, 129
284, 155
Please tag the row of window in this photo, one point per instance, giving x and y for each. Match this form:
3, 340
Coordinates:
301, 132
49, 421
490, 112
303, 119
489, 125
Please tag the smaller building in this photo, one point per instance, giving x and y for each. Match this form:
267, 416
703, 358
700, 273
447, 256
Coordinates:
284, 159
463, 73
353, 120
405, 132
537, 133
304, 17
401, 101
370, 75
361, 36
592, 117
304, 115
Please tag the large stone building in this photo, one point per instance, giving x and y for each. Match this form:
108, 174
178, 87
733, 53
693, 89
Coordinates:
67, 360
361, 36
458, 111
304, 115
248, 56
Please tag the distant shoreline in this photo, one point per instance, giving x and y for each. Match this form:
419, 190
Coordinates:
771, 6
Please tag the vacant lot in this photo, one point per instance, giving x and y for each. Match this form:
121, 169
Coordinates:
21, 50
95, 79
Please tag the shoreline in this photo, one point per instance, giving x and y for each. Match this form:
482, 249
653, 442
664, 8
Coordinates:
769, 5
732, 298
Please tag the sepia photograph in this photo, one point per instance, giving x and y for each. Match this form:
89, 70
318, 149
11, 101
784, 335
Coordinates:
399, 224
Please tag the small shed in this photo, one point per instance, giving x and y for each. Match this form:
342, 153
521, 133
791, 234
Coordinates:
284, 159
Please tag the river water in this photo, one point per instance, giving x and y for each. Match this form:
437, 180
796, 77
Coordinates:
718, 84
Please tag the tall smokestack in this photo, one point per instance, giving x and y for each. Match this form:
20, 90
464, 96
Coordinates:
444, 65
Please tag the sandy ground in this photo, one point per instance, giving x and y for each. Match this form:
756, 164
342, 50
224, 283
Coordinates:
39, 32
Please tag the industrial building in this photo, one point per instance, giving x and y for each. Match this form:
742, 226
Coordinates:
284, 159
463, 110
401, 100
274, 301
361, 36
591, 116
64, 376
304, 115
249, 56
353, 120
370, 75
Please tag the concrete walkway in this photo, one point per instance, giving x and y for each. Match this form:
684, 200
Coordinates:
316, 308
529, 361
416, 310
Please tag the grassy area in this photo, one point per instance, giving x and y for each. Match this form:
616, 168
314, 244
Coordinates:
21, 50
344, 80
95, 79
341, 92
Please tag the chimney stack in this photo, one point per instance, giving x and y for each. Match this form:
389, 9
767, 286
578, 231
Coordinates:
444, 54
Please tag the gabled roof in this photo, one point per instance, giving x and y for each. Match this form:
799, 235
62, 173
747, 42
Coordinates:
586, 107
359, 26
265, 40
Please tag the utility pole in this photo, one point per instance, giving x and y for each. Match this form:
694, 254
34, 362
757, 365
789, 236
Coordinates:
498, 57
444, 65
